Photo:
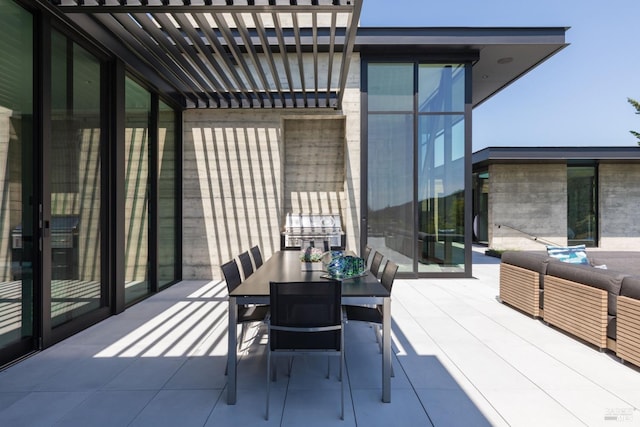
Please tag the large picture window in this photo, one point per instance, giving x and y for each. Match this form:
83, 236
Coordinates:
416, 144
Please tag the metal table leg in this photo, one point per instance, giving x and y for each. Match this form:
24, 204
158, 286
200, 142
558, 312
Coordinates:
386, 350
232, 355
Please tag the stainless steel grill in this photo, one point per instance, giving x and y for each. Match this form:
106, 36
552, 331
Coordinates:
320, 228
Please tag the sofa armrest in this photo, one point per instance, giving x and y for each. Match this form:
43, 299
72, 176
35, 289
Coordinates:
520, 288
578, 309
628, 330
628, 321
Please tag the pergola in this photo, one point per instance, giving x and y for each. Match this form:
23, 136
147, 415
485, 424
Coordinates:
229, 53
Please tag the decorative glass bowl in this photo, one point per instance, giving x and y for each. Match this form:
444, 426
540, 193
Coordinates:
345, 267
329, 256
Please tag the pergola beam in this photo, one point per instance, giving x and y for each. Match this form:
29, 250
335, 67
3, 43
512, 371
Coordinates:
221, 54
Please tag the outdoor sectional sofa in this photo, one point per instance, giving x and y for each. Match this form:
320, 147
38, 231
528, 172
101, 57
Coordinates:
600, 306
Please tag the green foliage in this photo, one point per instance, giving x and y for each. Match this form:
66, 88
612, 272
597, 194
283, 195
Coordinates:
636, 105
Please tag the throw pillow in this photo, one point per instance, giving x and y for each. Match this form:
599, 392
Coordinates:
571, 254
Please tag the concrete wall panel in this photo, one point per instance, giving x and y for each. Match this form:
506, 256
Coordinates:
527, 206
619, 206
238, 186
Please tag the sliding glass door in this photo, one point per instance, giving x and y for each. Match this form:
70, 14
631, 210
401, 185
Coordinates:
75, 169
137, 125
66, 189
168, 170
582, 205
18, 236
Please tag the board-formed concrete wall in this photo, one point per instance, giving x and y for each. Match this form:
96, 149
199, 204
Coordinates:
237, 188
619, 204
527, 206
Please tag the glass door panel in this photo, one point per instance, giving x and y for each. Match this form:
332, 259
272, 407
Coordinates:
481, 207
582, 206
167, 195
17, 236
137, 114
75, 167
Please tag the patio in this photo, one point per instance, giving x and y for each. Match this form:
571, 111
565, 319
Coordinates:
460, 357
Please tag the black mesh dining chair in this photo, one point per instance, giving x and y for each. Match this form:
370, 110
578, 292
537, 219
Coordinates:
245, 262
373, 315
246, 313
375, 264
367, 253
256, 254
305, 318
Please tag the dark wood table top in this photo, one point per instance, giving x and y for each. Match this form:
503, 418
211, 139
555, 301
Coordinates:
285, 266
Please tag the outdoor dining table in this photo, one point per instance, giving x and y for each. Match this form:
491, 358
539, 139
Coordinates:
285, 266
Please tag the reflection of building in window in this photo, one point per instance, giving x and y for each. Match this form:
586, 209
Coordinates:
5, 224
64, 248
65, 148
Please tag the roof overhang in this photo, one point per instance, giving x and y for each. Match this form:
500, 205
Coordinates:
500, 56
285, 53
229, 53
521, 155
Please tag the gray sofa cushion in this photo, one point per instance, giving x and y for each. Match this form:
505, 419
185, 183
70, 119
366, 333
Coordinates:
627, 262
631, 287
534, 261
608, 280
